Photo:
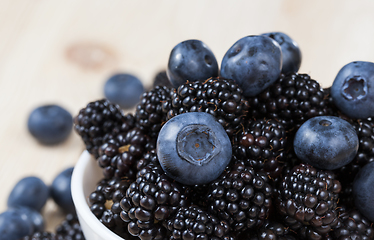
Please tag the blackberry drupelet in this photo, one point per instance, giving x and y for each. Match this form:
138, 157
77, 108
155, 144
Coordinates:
241, 196
149, 202
352, 225
292, 99
149, 115
195, 223
263, 145
98, 119
218, 96
308, 197
119, 153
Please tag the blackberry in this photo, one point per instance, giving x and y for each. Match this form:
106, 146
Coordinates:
161, 79
218, 96
308, 197
195, 223
70, 228
292, 99
119, 153
271, 229
263, 145
241, 196
149, 115
41, 236
149, 202
352, 225
96, 120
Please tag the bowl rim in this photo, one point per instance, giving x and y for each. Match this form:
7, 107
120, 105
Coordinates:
81, 202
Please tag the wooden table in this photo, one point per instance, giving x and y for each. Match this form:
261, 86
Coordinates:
62, 52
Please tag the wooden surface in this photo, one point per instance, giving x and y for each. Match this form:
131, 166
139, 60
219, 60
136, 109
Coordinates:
63, 51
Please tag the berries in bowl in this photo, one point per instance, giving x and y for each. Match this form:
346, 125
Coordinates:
212, 159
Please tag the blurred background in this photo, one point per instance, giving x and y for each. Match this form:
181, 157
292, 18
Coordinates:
62, 52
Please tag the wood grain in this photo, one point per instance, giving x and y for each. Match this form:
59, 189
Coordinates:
63, 51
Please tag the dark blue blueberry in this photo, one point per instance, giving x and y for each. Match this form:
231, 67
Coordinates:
254, 63
326, 142
291, 54
61, 190
353, 90
123, 89
32, 215
191, 60
29, 192
193, 148
14, 226
363, 191
50, 124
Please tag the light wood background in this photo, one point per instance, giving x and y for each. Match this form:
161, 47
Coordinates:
63, 51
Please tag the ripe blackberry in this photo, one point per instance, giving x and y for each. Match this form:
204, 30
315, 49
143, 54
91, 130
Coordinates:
149, 115
161, 79
308, 197
292, 99
241, 196
96, 120
149, 201
271, 229
119, 153
70, 228
352, 225
262, 144
218, 96
195, 223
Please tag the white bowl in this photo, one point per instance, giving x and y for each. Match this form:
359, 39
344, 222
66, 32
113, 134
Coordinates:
85, 176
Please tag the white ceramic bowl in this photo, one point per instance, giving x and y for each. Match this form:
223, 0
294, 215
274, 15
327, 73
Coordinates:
85, 176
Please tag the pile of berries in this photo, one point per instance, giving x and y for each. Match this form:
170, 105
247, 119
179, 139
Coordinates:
254, 150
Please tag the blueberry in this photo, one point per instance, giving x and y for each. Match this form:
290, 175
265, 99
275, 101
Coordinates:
61, 190
193, 148
352, 90
123, 89
253, 62
32, 215
50, 124
326, 142
191, 60
14, 226
29, 192
363, 191
291, 54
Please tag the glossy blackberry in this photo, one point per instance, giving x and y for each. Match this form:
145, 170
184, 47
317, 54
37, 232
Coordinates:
308, 197
271, 229
263, 145
241, 196
149, 115
352, 225
41, 236
96, 120
195, 223
149, 201
120, 152
218, 96
70, 228
292, 99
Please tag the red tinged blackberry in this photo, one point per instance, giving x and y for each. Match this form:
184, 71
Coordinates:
218, 96
194, 222
98, 119
292, 99
263, 145
149, 202
241, 196
308, 197
149, 115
